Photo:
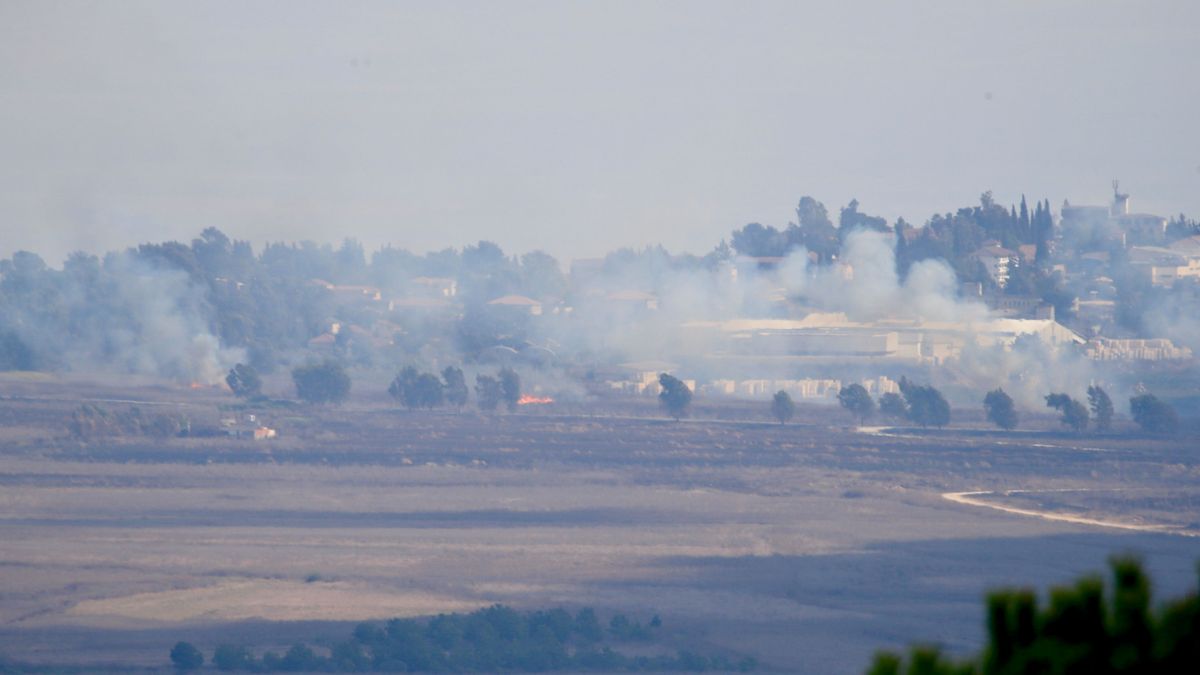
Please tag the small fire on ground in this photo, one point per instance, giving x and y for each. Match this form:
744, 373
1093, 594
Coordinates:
534, 400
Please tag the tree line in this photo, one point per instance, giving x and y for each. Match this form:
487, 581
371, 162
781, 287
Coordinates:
328, 382
492, 639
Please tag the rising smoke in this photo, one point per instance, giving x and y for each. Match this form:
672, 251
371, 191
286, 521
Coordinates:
120, 315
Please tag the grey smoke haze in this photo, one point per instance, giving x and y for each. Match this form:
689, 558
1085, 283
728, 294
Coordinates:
868, 288
573, 127
865, 286
120, 315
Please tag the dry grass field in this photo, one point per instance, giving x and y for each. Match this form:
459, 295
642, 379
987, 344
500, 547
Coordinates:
807, 546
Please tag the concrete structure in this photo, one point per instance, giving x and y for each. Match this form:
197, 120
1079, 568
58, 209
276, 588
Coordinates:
1158, 349
638, 300
834, 336
1188, 246
998, 261
518, 303
434, 287
1164, 266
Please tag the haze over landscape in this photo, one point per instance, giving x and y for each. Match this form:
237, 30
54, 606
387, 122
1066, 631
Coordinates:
599, 337
573, 127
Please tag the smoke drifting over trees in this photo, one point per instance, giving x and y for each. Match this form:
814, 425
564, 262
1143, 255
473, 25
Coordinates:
190, 312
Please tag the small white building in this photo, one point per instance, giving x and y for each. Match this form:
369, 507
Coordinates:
519, 303
998, 261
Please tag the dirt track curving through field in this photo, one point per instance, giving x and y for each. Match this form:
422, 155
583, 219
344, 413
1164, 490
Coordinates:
969, 499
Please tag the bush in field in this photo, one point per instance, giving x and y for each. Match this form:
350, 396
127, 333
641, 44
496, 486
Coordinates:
782, 407
1102, 407
1000, 410
1153, 415
855, 398
455, 386
510, 388
417, 390
675, 397
321, 383
403, 387
487, 392
185, 656
926, 405
1074, 414
230, 657
243, 381
893, 405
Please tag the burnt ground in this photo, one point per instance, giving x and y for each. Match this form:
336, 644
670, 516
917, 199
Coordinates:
808, 545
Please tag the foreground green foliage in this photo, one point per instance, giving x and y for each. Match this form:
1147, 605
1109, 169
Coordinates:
1080, 631
496, 638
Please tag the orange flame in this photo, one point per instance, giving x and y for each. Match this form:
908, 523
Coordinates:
196, 385
534, 400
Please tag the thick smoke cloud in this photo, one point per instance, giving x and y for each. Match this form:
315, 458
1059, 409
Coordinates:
866, 287
863, 284
120, 315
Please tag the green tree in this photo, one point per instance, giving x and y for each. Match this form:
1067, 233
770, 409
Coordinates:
926, 405
185, 656
231, 657
1079, 630
487, 392
893, 405
999, 408
782, 407
588, 625
1074, 414
321, 383
455, 384
428, 391
674, 397
510, 388
1153, 415
404, 387
1102, 407
15, 354
243, 381
855, 398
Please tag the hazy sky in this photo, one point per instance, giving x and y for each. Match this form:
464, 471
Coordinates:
575, 127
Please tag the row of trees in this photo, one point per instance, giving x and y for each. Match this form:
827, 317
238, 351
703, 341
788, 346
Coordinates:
493, 639
328, 382
1150, 413
925, 405
921, 404
425, 390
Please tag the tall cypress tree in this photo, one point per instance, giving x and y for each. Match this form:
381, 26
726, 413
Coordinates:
1026, 230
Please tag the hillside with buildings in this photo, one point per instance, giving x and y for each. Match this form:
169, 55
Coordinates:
986, 296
